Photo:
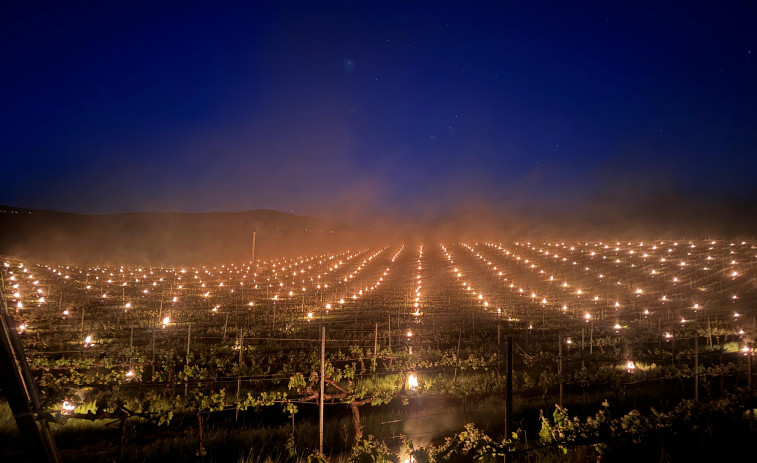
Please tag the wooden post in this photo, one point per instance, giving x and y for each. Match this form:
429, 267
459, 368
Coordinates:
696, 368
749, 372
225, 325
499, 349
709, 332
457, 356
750, 388
375, 347
583, 330
399, 330
509, 392
389, 332
320, 396
152, 372
189, 337
239, 378
559, 364
254, 264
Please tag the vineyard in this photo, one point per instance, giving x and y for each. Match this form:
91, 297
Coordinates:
615, 349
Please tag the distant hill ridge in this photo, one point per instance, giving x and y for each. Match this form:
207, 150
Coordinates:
163, 237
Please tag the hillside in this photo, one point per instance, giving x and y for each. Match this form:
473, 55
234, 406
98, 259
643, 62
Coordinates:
162, 238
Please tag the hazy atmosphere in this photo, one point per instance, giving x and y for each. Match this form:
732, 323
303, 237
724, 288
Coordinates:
378, 231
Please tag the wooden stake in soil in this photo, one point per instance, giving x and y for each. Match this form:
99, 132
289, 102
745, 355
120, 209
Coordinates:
559, 364
375, 347
239, 378
509, 391
186, 379
320, 396
389, 332
696, 368
152, 369
457, 356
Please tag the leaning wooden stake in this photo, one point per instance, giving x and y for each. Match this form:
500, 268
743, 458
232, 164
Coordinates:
18, 387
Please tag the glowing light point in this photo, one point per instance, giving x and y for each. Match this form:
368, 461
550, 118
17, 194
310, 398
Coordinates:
412, 381
67, 408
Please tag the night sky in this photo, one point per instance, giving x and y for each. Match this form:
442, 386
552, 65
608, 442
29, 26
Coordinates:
398, 108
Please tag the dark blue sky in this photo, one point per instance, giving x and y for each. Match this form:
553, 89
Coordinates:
403, 107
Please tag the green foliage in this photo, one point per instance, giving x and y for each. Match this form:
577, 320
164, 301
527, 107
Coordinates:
316, 457
470, 444
297, 382
601, 429
372, 450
